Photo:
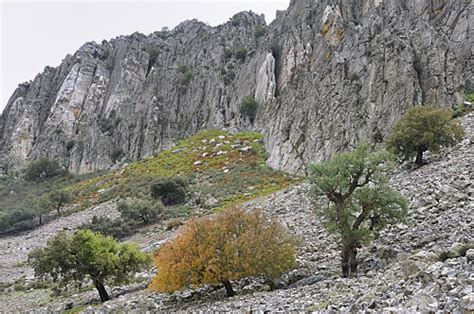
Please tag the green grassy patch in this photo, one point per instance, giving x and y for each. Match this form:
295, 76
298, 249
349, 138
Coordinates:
228, 167
223, 169
469, 97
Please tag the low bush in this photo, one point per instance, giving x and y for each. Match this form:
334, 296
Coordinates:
140, 210
117, 228
259, 31
108, 124
235, 20
185, 79
241, 53
116, 154
227, 53
170, 191
42, 169
18, 219
248, 108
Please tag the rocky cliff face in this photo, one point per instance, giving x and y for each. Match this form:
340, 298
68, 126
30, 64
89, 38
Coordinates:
326, 75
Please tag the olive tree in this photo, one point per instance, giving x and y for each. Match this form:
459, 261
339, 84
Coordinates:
88, 255
58, 198
40, 206
424, 128
358, 200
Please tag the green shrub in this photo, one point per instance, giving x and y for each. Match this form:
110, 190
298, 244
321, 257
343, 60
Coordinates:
235, 20
469, 97
248, 108
153, 55
171, 191
88, 255
117, 228
58, 198
459, 111
108, 124
17, 220
185, 79
43, 169
183, 68
70, 145
241, 53
259, 31
116, 154
424, 128
153, 52
142, 210
20, 285
227, 53
229, 77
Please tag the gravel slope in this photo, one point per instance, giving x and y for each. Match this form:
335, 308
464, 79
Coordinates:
401, 271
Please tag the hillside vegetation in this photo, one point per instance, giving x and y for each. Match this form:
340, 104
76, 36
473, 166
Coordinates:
220, 170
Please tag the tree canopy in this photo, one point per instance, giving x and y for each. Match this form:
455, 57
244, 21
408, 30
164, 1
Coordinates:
88, 255
170, 191
424, 128
58, 198
42, 169
360, 200
145, 211
230, 245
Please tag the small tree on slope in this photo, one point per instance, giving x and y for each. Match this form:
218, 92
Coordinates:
360, 201
424, 128
88, 255
230, 245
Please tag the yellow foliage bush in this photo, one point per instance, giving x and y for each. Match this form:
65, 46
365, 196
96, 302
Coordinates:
229, 245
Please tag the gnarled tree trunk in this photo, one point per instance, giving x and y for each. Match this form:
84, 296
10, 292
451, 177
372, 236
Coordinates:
349, 261
104, 296
419, 158
228, 288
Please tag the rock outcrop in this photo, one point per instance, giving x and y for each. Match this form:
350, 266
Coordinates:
326, 75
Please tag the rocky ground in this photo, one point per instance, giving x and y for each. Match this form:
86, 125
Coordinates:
423, 264
14, 249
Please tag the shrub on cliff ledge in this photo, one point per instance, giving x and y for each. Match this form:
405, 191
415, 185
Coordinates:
231, 245
424, 128
248, 108
241, 53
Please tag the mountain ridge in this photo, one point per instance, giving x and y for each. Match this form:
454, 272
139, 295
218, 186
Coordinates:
325, 75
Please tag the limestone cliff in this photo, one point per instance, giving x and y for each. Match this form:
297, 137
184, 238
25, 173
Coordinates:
326, 75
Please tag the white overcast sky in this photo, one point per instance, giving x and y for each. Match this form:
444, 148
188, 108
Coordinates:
35, 34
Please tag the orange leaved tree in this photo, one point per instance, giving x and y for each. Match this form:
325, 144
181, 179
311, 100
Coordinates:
230, 245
